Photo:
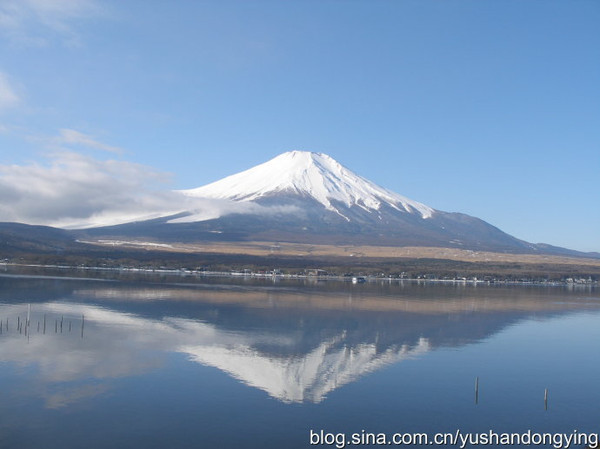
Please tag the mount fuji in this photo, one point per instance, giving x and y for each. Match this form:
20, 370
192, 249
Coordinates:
314, 176
305, 197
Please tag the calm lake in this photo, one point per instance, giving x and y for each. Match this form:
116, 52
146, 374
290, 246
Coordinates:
257, 364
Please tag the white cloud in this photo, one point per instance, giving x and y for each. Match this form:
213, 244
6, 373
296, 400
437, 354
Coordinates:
72, 190
8, 96
33, 21
69, 139
70, 136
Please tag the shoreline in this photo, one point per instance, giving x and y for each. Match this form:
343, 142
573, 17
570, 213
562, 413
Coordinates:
233, 274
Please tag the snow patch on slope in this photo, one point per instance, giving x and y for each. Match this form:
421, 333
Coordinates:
315, 175
308, 378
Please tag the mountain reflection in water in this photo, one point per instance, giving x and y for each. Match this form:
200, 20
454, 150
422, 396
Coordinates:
296, 344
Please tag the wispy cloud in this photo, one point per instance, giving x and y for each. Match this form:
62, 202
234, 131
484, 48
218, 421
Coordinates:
72, 190
72, 140
33, 22
8, 95
72, 137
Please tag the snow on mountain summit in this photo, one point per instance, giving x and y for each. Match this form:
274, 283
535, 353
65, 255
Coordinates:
308, 174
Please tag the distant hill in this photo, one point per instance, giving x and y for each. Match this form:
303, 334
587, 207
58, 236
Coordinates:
23, 237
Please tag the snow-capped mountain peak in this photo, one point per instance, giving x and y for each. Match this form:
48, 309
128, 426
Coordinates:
308, 174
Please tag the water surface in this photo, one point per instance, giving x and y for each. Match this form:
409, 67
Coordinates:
225, 364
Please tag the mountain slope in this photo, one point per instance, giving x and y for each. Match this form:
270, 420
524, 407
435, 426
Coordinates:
311, 198
309, 175
303, 197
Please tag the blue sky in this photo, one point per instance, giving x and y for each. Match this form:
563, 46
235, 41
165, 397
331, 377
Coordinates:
488, 108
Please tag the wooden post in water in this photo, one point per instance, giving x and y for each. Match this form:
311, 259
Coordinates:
82, 323
28, 322
477, 390
61, 322
69, 326
44, 324
546, 399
